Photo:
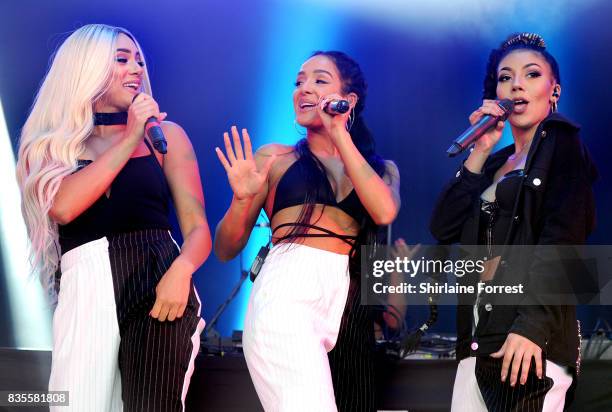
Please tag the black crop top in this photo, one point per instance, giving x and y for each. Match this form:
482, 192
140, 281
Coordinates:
139, 199
293, 186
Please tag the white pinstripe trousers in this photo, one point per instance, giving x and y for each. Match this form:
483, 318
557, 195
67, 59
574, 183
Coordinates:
107, 351
292, 321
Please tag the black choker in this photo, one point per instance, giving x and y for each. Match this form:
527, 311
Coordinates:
110, 119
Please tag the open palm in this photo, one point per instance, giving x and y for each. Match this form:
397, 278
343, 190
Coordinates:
244, 178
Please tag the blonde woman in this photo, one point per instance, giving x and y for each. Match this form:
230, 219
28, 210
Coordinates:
96, 200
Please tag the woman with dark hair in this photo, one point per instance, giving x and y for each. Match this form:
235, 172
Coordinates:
524, 354
325, 197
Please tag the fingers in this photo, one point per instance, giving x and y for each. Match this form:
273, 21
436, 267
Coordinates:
526, 364
139, 97
172, 311
400, 249
538, 361
163, 313
223, 160
499, 353
248, 149
156, 309
516, 365
166, 311
489, 107
475, 116
228, 148
506, 362
415, 248
143, 107
517, 357
236, 153
323, 101
237, 144
506, 365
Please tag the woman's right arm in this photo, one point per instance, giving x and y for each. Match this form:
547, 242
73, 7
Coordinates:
248, 178
453, 205
79, 191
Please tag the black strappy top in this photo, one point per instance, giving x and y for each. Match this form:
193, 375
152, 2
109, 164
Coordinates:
139, 199
292, 189
293, 186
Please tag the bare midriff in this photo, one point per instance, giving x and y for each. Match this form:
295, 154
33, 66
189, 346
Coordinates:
332, 219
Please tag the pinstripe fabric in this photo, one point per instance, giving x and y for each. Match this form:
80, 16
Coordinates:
351, 360
478, 388
85, 332
292, 321
155, 359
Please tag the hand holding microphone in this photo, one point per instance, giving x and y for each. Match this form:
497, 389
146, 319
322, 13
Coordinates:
144, 114
335, 107
334, 110
487, 125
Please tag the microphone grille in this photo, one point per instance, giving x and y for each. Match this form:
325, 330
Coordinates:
507, 106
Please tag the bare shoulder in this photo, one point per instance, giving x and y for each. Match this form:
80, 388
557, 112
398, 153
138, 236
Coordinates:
391, 176
284, 156
272, 149
391, 168
174, 132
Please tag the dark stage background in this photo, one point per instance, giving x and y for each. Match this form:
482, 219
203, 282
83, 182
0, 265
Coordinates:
218, 63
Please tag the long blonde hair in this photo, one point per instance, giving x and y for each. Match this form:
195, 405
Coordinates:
60, 121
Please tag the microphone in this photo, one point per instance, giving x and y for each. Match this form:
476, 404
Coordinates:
154, 131
476, 131
156, 134
334, 107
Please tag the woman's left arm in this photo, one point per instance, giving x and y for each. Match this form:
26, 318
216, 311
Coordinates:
181, 169
379, 195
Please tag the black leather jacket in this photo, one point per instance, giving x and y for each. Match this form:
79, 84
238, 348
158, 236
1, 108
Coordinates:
554, 206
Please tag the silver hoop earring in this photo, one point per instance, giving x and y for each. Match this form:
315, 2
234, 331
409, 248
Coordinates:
299, 129
554, 106
351, 120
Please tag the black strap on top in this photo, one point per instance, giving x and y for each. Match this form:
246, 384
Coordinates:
326, 233
150, 148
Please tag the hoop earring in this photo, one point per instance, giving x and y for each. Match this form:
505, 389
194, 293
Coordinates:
553, 106
351, 120
299, 129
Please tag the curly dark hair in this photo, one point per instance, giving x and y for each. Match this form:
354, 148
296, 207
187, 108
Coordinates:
516, 41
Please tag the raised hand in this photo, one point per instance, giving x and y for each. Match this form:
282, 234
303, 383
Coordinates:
244, 178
